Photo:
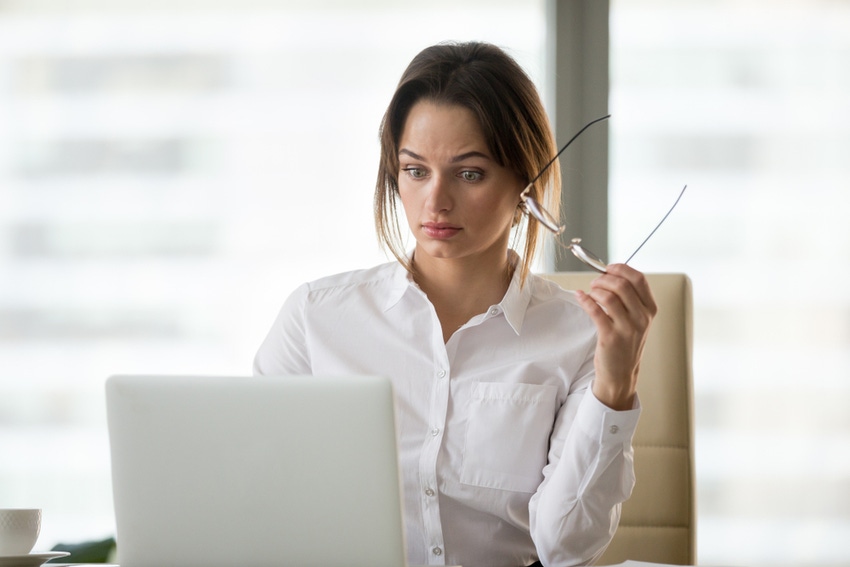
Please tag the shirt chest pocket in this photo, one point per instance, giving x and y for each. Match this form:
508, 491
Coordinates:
507, 436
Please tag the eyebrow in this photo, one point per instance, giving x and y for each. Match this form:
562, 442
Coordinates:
455, 159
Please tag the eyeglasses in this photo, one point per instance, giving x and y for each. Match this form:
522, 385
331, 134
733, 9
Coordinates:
531, 205
544, 217
594, 262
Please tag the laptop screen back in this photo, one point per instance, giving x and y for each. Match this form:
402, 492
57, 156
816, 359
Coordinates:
257, 471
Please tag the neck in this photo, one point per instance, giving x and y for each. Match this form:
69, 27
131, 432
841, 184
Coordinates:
459, 289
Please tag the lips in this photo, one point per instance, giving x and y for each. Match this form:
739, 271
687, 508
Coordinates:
440, 230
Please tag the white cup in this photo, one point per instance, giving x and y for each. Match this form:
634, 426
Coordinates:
19, 529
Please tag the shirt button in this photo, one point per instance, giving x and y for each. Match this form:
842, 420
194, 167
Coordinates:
437, 551
441, 374
494, 311
613, 429
429, 492
435, 431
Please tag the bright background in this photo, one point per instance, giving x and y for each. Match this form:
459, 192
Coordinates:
748, 102
171, 170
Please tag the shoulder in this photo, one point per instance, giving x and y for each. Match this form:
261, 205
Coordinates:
387, 274
544, 290
358, 290
556, 307
372, 284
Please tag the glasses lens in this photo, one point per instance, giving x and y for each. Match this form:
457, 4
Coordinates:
542, 215
587, 257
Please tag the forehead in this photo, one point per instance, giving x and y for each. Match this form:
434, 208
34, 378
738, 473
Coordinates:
443, 129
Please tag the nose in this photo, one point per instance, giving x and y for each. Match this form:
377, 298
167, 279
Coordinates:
439, 197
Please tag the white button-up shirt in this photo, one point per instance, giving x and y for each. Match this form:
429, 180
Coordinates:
505, 454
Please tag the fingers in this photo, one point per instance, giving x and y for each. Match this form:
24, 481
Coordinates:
594, 310
638, 283
621, 305
624, 292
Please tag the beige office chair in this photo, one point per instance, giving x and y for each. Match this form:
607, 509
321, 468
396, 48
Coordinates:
659, 520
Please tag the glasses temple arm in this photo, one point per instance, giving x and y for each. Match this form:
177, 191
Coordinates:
658, 225
551, 161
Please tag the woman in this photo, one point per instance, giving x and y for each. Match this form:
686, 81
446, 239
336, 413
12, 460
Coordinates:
516, 399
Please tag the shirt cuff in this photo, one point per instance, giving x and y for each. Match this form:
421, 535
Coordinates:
606, 425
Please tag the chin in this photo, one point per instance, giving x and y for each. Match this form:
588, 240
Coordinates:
440, 249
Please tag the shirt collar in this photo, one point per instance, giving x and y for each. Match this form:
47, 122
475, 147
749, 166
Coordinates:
514, 304
402, 280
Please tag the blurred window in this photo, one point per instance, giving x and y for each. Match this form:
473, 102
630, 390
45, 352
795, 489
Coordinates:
161, 169
746, 102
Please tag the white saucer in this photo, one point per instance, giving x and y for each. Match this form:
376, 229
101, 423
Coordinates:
30, 560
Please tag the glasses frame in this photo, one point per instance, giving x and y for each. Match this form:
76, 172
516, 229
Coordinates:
596, 263
534, 209
531, 206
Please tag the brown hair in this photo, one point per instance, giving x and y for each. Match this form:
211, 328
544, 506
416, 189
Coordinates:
485, 80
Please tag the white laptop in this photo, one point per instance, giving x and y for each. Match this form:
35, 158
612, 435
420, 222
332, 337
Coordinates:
254, 472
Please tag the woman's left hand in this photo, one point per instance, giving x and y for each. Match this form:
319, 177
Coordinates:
622, 306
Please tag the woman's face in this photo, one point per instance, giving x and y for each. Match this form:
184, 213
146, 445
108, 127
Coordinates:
459, 202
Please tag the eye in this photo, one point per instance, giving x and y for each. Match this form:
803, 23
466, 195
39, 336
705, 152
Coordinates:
471, 176
415, 172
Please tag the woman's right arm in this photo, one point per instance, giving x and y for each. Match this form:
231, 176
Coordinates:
285, 350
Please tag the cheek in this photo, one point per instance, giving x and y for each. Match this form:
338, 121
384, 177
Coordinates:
409, 202
504, 208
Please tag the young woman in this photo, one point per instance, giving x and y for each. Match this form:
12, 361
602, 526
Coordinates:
516, 400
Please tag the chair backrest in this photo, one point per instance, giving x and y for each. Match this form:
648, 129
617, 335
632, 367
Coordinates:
658, 523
